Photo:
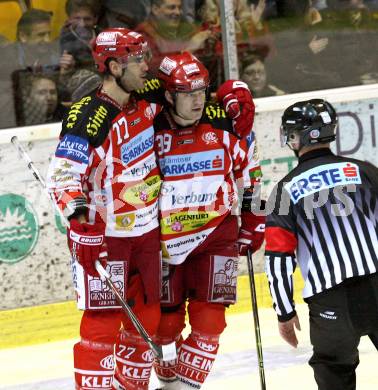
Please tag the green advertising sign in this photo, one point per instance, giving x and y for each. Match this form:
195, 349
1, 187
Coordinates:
60, 224
19, 228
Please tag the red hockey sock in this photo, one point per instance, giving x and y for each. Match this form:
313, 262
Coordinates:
134, 360
94, 365
196, 358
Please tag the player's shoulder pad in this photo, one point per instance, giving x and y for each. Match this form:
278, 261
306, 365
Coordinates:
217, 117
152, 92
89, 118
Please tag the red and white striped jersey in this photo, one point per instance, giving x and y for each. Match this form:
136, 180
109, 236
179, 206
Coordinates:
202, 169
105, 164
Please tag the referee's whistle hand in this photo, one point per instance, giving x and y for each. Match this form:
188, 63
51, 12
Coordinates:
287, 330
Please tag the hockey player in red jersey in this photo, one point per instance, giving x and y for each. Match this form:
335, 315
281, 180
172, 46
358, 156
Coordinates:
105, 178
203, 163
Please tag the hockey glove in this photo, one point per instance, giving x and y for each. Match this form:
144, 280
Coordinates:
251, 233
86, 243
237, 101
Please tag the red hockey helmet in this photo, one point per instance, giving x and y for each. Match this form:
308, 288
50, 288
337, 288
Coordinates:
119, 43
183, 73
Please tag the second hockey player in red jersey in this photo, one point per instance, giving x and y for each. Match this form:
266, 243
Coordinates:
203, 163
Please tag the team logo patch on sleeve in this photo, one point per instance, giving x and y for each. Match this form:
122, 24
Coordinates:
73, 148
322, 177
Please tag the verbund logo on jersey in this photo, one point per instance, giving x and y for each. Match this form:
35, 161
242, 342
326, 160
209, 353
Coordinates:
137, 146
323, 177
178, 200
139, 170
212, 160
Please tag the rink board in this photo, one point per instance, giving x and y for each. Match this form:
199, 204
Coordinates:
60, 321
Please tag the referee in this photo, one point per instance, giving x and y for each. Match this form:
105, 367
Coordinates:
324, 217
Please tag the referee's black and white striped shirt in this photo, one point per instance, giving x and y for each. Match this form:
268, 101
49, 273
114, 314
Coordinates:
335, 240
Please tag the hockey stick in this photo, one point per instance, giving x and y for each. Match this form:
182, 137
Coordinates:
256, 320
164, 352
230, 54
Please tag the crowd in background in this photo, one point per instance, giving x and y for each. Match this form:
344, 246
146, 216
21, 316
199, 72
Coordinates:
284, 46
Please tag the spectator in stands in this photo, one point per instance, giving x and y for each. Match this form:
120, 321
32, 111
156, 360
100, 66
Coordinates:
211, 54
189, 8
33, 49
248, 17
79, 30
358, 42
306, 44
251, 31
167, 32
253, 73
372, 4
369, 78
320, 4
357, 4
75, 40
124, 13
342, 30
3, 40
34, 27
250, 26
130, 13
37, 100
290, 8
254, 30
33, 46
82, 83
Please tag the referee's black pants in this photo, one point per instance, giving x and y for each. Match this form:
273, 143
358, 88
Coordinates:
338, 318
